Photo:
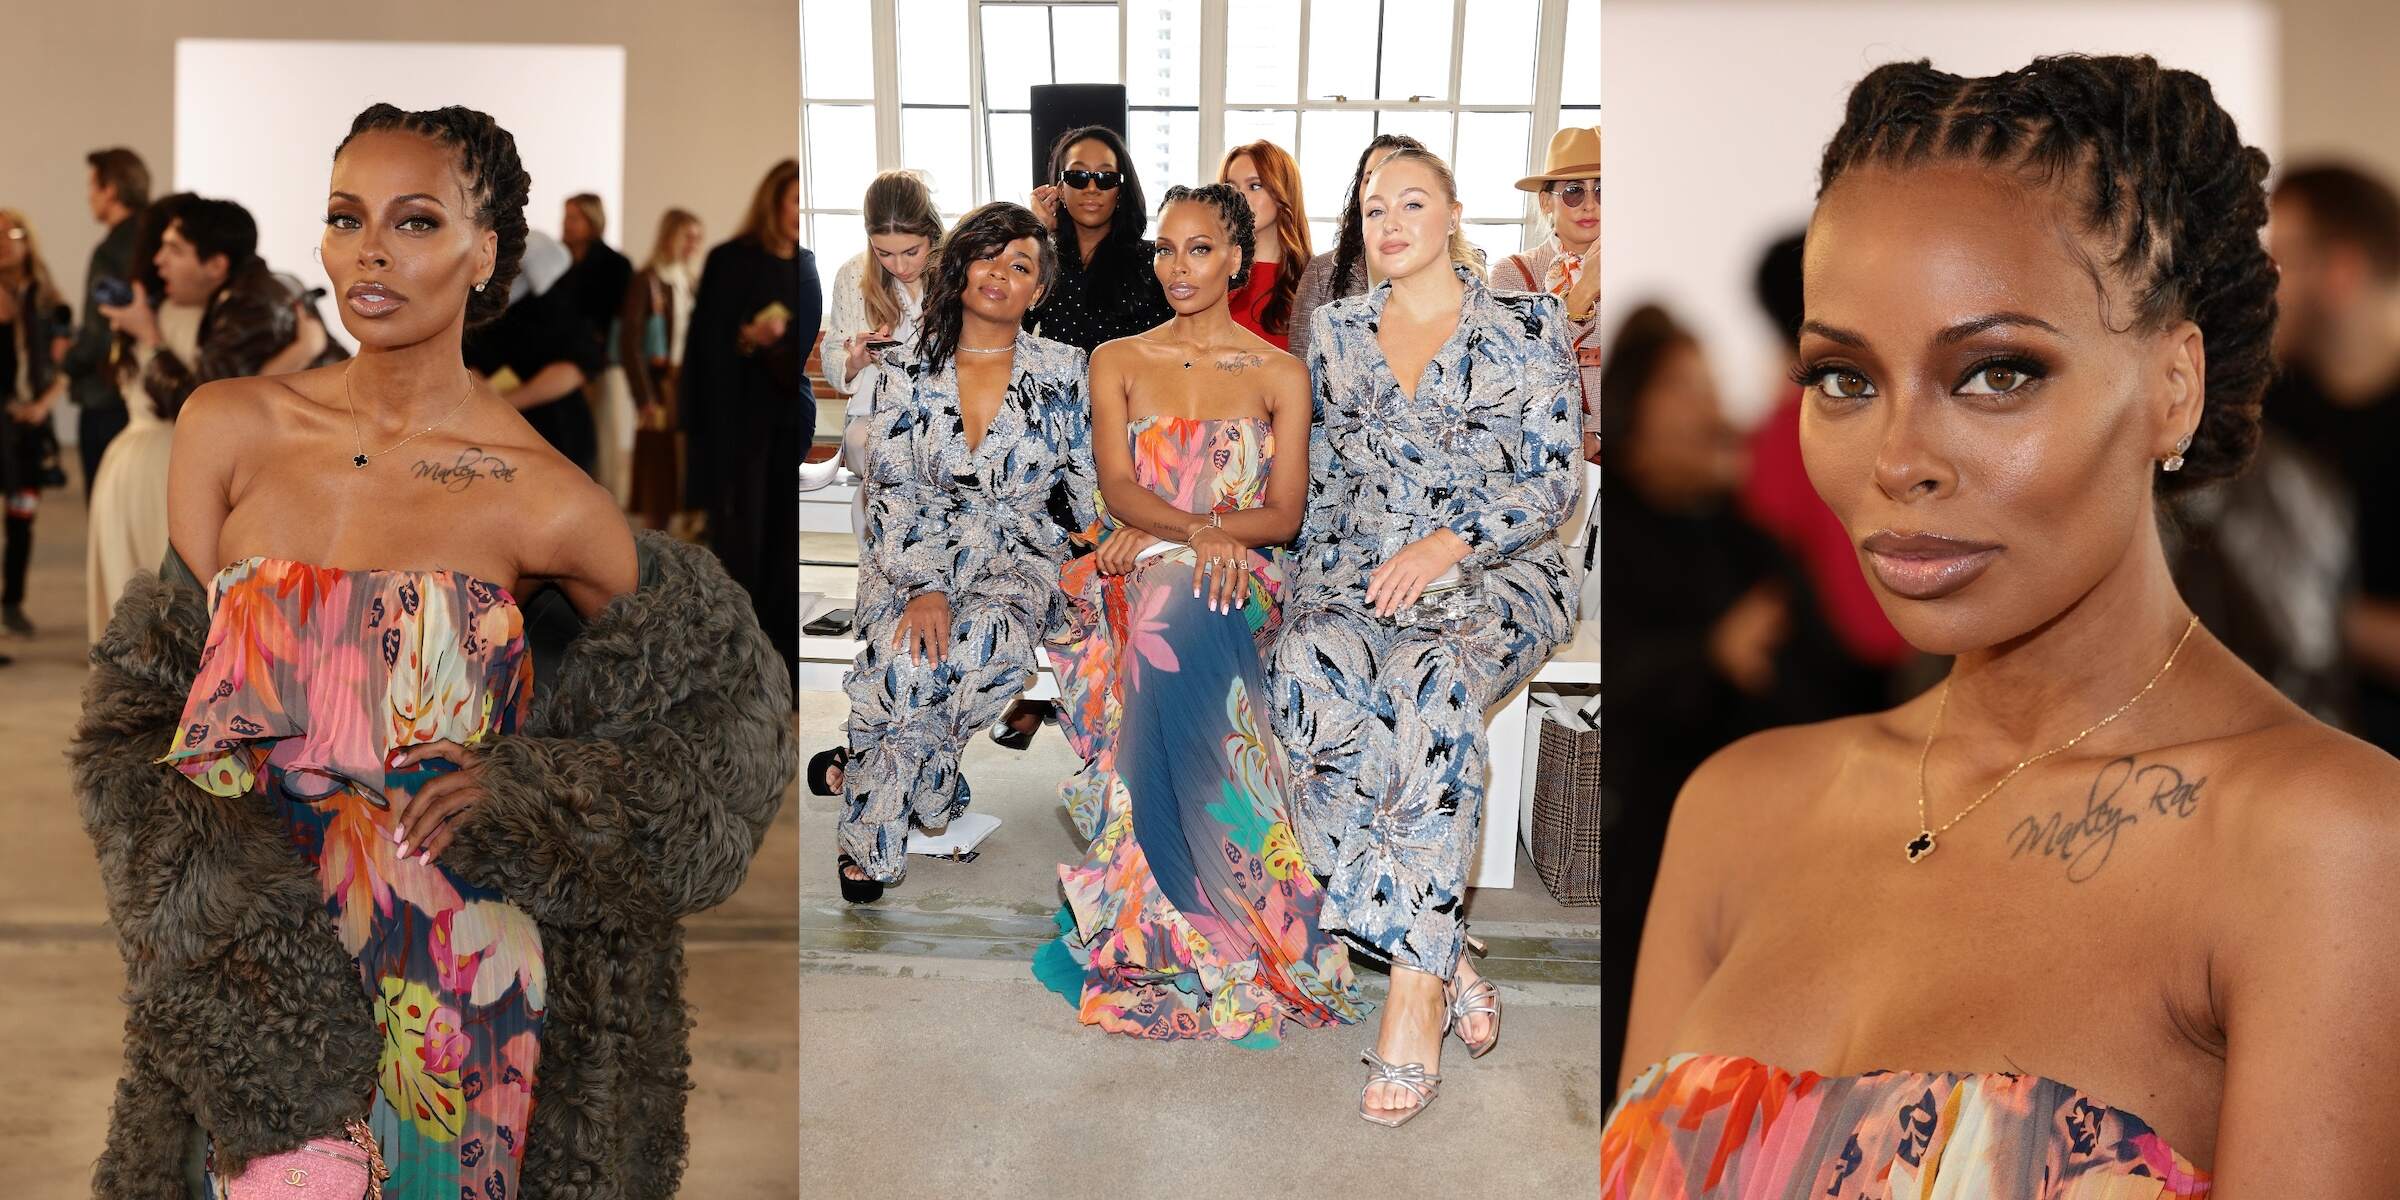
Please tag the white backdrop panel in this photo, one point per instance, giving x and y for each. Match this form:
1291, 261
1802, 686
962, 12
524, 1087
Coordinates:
1719, 109
256, 122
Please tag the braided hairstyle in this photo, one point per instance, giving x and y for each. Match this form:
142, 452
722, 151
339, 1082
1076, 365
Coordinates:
2160, 171
1233, 212
496, 183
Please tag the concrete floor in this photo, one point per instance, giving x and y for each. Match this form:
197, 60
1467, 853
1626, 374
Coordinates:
937, 1066
62, 1019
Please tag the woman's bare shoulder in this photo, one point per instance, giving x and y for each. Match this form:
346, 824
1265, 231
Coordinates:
1752, 780
250, 402
2302, 785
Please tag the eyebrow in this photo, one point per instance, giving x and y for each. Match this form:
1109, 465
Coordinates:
427, 196
1952, 335
1403, 192
1989, 321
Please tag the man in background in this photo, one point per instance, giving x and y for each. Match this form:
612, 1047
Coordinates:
252, 323
117, 187
2334, 233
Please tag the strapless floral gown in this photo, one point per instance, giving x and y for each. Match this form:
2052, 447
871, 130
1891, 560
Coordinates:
1713, 1127
1192, 914
310, 678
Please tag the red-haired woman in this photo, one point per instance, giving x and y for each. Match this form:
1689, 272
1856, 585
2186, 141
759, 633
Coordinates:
1269, 179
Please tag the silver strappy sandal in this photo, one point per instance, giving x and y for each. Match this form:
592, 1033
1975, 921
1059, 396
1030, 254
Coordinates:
1412, 1076
1479, 999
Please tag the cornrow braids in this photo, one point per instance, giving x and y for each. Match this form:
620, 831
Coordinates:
1233, 211
2162, 172
496, 183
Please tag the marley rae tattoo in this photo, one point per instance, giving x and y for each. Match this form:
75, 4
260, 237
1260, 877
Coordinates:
1236, 363
2121, 796
472, 464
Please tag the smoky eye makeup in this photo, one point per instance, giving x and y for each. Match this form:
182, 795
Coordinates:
2000, 376
1833, 380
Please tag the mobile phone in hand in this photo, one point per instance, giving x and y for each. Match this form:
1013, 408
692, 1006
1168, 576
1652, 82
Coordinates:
112, 291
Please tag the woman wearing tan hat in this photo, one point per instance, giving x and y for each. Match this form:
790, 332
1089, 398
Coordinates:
1568, 264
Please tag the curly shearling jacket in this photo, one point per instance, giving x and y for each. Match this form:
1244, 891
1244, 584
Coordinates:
655, 754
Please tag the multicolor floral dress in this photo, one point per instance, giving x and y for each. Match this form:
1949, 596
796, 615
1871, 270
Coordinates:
1192, 914
310, 678
1703, 1125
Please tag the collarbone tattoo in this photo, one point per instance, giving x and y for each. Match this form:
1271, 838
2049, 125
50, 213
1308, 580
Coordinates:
2122, 795
458, 475
1239, 361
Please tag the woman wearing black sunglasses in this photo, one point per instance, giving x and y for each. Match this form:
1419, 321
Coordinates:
1105, 288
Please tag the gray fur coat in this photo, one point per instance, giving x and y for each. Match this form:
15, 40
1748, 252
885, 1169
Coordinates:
642, 780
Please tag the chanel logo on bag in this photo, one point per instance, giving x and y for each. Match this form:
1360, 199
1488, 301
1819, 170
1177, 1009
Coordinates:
296, 1177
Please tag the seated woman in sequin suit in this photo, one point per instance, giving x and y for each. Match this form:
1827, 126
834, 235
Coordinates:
979, 468
1445, 438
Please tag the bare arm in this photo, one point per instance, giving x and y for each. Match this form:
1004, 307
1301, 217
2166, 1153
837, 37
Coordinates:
200, 472
2308, 977
1678, 950
586, 547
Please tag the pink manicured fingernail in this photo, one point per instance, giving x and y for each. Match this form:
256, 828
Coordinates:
424, 856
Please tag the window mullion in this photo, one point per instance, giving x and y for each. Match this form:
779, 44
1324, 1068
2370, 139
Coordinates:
1549, 78
1304, 24
1215, 36
886, 50
979, 140
1458, 57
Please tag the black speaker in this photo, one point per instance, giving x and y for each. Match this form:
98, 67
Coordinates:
1059, 107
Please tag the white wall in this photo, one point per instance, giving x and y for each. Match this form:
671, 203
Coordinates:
1718, 112
240, 136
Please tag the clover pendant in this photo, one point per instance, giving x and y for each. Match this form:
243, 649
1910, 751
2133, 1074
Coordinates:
1920, 845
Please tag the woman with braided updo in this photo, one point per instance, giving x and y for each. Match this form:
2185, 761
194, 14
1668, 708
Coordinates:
1192, 913
2103, 869
396, 869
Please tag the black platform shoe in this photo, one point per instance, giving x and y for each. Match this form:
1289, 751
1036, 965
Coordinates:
856, 891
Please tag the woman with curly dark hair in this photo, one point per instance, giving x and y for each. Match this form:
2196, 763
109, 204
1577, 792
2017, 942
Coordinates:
1953, 948
979, 471
395, 868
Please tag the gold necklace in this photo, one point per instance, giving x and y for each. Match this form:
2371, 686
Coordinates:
358, 440
1922, 845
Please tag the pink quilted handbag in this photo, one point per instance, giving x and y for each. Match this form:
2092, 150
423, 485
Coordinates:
349, 1167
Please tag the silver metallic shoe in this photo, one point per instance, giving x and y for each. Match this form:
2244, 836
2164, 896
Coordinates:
1478, 999
1412, 1076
